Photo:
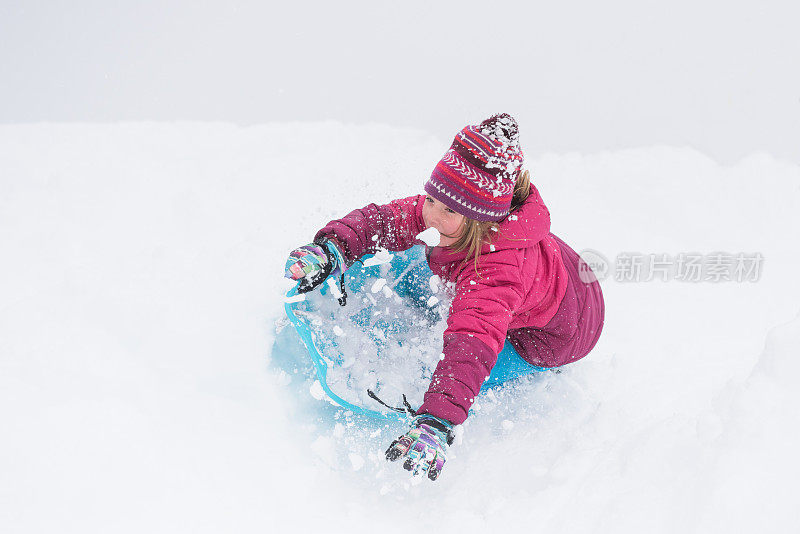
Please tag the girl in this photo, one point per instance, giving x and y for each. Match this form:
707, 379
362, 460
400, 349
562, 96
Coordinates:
518, 290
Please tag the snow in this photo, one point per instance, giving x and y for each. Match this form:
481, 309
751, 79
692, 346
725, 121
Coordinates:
316, 391
356, 460
334, 287
378, 285
434, 282
430, 237
382, 256
388, 344
144, 385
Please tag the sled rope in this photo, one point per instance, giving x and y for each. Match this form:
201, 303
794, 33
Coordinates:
406, 406
343, 299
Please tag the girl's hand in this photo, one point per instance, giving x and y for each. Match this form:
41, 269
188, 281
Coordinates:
306, 260
311, 264
424, 446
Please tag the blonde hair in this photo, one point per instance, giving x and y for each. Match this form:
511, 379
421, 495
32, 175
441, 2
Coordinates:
476, 233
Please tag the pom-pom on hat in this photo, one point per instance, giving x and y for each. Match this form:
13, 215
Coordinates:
477, 174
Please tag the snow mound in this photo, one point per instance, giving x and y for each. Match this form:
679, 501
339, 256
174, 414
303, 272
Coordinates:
140, 366
756, 440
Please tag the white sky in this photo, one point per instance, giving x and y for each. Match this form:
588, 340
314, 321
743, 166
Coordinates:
721, 77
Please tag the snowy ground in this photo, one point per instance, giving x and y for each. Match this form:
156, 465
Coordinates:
140, 364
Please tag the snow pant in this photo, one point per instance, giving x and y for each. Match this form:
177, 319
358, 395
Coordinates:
574, 329
510, 365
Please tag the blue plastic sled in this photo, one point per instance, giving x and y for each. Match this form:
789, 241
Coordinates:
410, 272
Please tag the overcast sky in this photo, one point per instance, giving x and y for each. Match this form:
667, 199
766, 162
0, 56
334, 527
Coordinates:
722, 76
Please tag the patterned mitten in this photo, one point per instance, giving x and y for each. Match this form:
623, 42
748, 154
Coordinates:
424, 446
313, 263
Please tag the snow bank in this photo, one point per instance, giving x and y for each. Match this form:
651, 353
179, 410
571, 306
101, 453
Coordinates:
144, 385
755, 441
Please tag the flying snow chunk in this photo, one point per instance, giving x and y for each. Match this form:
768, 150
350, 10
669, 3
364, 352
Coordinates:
434, 282
316, 390
318, 393
381, 257
356, 460
433, 301
430, 237
338, 330
378, 285
334, 288
296, 298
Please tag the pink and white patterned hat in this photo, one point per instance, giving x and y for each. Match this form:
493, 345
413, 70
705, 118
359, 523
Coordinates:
477, 174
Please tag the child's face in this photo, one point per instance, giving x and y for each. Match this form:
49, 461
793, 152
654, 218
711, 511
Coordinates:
449, 223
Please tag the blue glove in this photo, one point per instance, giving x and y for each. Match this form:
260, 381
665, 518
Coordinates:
424, 446
312, 264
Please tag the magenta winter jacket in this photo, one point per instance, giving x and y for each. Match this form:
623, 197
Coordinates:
521, 284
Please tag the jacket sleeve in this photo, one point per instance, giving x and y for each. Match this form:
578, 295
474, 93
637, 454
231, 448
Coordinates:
475, 335
393, 226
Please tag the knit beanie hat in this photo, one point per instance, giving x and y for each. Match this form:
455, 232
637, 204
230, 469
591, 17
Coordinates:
477, 175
